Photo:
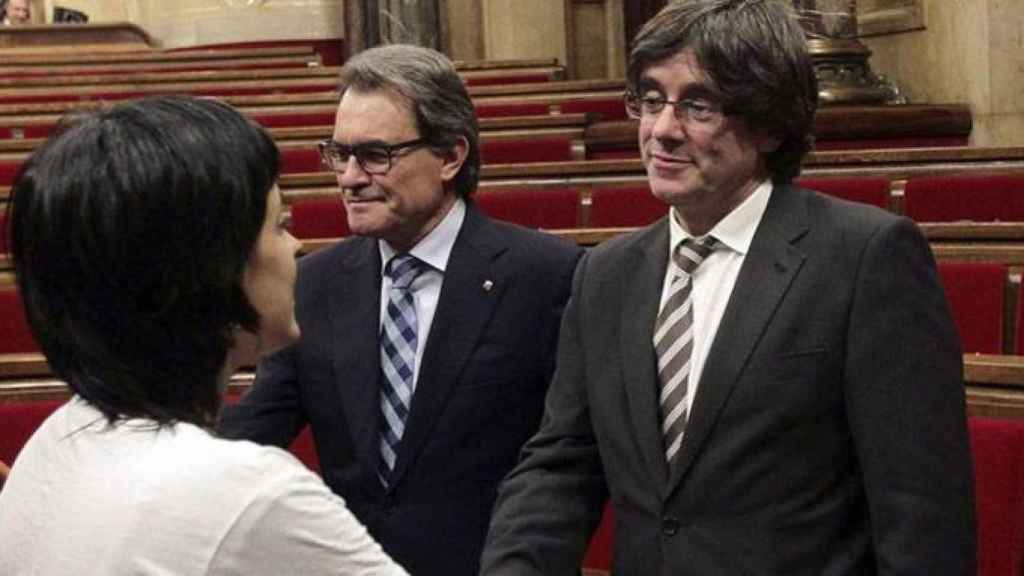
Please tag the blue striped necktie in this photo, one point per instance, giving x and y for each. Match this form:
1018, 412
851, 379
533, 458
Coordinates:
398, 357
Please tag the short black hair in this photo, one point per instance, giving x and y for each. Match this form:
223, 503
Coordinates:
755, 53
427, 80
130, 229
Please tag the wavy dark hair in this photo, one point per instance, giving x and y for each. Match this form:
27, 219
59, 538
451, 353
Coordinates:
130, 229
755, 54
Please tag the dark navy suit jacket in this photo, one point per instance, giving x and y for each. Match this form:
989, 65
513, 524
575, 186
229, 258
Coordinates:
486, 367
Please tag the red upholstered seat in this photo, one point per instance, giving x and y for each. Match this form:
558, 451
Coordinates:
884, 143
520, 150
319, 218
301, 160
976, 293
15, 336
495, 110
20, 420
612, 207
998, 450
8, 170
984, 198
554, 208
866, 190
599, 553
15, 130
5, 240
502, 80
1019, 336
295, 119
607, 108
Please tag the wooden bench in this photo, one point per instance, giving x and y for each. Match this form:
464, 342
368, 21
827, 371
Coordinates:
87, 57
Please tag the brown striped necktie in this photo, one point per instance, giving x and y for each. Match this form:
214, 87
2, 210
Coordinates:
673, 341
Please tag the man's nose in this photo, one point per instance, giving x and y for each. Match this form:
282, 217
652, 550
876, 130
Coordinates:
353, 175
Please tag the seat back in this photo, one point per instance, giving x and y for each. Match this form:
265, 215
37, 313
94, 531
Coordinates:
998, 450
319, 218
20, 419
525, 149
979, 198
550, 208
866, 190
15, 336
634, 206
606, 108
8, 170
301, 161
599, 552
976, 292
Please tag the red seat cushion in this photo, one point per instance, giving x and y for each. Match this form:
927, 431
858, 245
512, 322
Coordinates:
983, 198
612, 207
606, 108
976, 293
516, 151
15, 336
294, 119
319, 218
495, 110
867, 190
8, 170
502, 80
300, 161
554, 208
599, 553
5, 240
998, 450
20, 419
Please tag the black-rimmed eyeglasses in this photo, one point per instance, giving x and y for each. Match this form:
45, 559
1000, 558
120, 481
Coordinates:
373, 157
690, 110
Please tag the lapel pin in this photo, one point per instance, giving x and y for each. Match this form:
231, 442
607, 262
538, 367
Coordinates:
488, 285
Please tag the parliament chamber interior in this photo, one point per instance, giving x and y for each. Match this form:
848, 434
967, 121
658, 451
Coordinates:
932, 128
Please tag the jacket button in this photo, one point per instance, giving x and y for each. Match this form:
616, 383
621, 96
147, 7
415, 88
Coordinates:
669, 526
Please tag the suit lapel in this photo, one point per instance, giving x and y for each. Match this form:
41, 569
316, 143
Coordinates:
642, 281
767, 273
463, 311
354, 308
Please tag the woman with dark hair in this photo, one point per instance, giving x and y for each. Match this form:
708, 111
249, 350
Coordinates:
153, 259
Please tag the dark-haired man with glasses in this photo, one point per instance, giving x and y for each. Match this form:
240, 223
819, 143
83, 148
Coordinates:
429, 337
765, 381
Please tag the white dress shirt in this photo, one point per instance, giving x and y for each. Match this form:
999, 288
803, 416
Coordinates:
715, 278
434, 249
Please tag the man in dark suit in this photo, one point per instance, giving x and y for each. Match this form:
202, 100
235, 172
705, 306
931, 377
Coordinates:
783, 394
428, 341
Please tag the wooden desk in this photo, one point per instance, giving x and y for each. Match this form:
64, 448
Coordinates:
120, 36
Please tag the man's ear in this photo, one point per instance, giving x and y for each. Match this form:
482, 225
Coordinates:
454, 158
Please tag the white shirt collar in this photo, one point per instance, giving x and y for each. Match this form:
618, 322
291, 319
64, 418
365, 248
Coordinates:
736, 230
436, 246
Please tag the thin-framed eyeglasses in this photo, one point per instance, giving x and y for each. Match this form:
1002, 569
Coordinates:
692, 111
373, 157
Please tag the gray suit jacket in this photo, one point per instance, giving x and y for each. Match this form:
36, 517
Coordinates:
827, 436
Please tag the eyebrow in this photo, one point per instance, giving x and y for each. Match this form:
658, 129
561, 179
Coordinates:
363, 144
692, 91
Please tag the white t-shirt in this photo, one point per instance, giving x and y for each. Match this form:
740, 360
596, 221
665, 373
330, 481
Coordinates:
84, 498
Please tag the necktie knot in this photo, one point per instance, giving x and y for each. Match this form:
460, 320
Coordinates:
403, 270
689, 253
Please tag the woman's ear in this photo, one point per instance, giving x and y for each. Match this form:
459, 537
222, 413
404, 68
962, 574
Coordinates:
768, 143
